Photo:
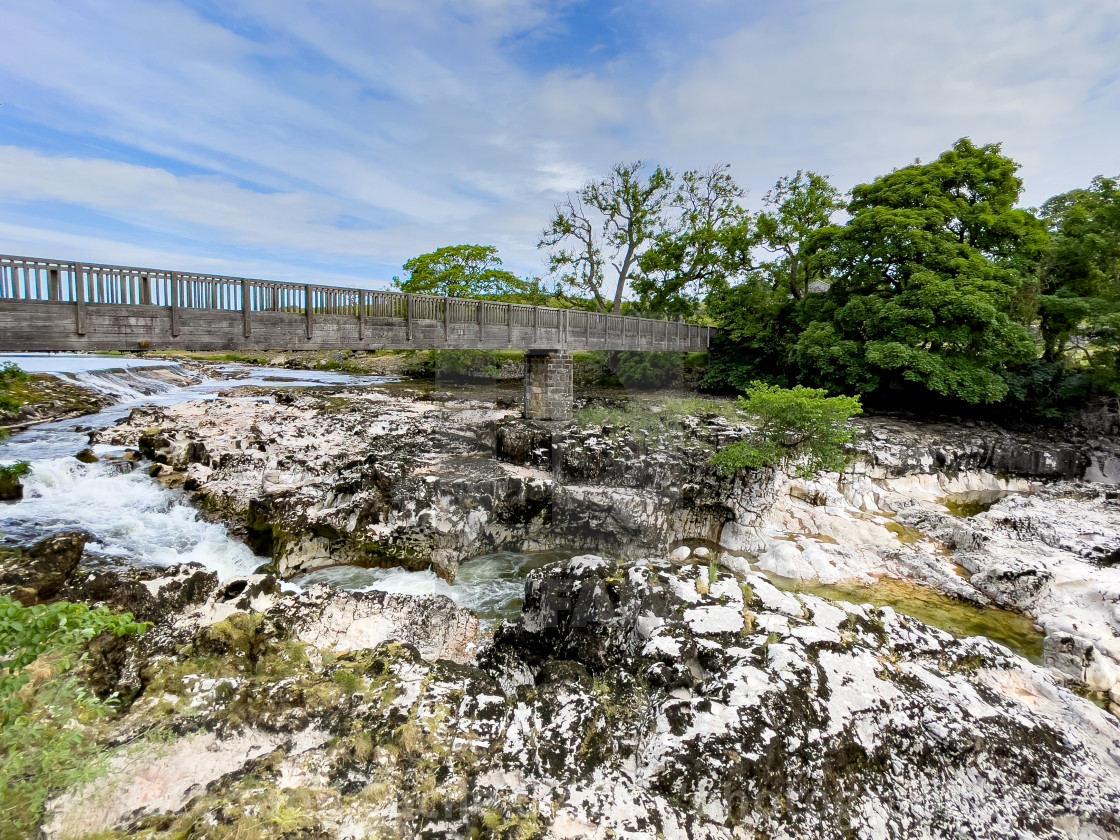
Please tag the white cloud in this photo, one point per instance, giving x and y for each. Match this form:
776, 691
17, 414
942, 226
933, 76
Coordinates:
261, 131
861, 87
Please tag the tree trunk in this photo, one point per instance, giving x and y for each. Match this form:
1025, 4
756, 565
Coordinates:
623, 273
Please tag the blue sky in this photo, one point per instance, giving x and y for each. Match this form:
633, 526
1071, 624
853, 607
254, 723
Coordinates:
332, 141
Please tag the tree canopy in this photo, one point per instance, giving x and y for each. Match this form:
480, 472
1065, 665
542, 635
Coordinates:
1079, 302
702, 246
606, 224
925, 280
462, 271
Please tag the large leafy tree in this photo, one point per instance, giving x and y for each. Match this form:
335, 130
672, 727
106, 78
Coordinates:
927, 280
1079, 304
706, 244
608, 224
763, 315
462, 271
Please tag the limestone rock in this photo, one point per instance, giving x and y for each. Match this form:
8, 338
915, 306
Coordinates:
626, 702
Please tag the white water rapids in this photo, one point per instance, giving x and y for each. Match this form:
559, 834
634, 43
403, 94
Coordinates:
135, 519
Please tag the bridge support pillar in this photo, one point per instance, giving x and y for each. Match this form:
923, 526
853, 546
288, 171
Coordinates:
548, 385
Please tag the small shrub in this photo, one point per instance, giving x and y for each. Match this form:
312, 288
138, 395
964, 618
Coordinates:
10, 374
797, 427
44, 711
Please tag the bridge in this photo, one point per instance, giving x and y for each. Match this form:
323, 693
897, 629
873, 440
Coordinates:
58, 305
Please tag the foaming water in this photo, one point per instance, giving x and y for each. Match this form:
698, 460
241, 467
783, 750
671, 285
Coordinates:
130, 516
492, 585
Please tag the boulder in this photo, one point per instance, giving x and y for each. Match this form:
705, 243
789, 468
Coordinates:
38, 573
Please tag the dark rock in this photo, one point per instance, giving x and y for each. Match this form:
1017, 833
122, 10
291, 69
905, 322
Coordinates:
40, 572
87, 456
149, 594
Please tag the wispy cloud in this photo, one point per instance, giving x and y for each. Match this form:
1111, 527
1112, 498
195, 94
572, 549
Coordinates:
342, 138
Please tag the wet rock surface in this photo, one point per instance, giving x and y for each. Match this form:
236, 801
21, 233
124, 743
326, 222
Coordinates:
642, 699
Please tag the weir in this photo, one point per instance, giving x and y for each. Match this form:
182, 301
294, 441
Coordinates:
56, 305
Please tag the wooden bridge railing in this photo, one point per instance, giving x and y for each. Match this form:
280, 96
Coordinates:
84, 284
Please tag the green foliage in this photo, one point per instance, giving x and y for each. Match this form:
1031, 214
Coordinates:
607, 222
466, 364
800, 427
465, 271
926, 281
759, 327
707, 242
1043, 390
26, 633
763, 316
44, 711
1079, 279
10, 374
647, 370
797, 208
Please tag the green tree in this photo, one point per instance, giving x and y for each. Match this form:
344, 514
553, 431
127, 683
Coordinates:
927, 279
763, 316
609, 222
462, 271
707, 245
1079, 304
799, 427
797, 207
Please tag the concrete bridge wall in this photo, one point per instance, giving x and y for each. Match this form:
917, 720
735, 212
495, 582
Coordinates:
51, 306
54, 306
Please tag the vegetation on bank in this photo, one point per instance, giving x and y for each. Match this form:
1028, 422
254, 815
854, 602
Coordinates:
11, 377
47, 714
928, 289
802, 429
656, 415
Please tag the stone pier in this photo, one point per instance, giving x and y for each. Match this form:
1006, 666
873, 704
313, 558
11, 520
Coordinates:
548, 385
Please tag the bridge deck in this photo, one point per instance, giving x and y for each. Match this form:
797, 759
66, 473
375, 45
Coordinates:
51, 305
